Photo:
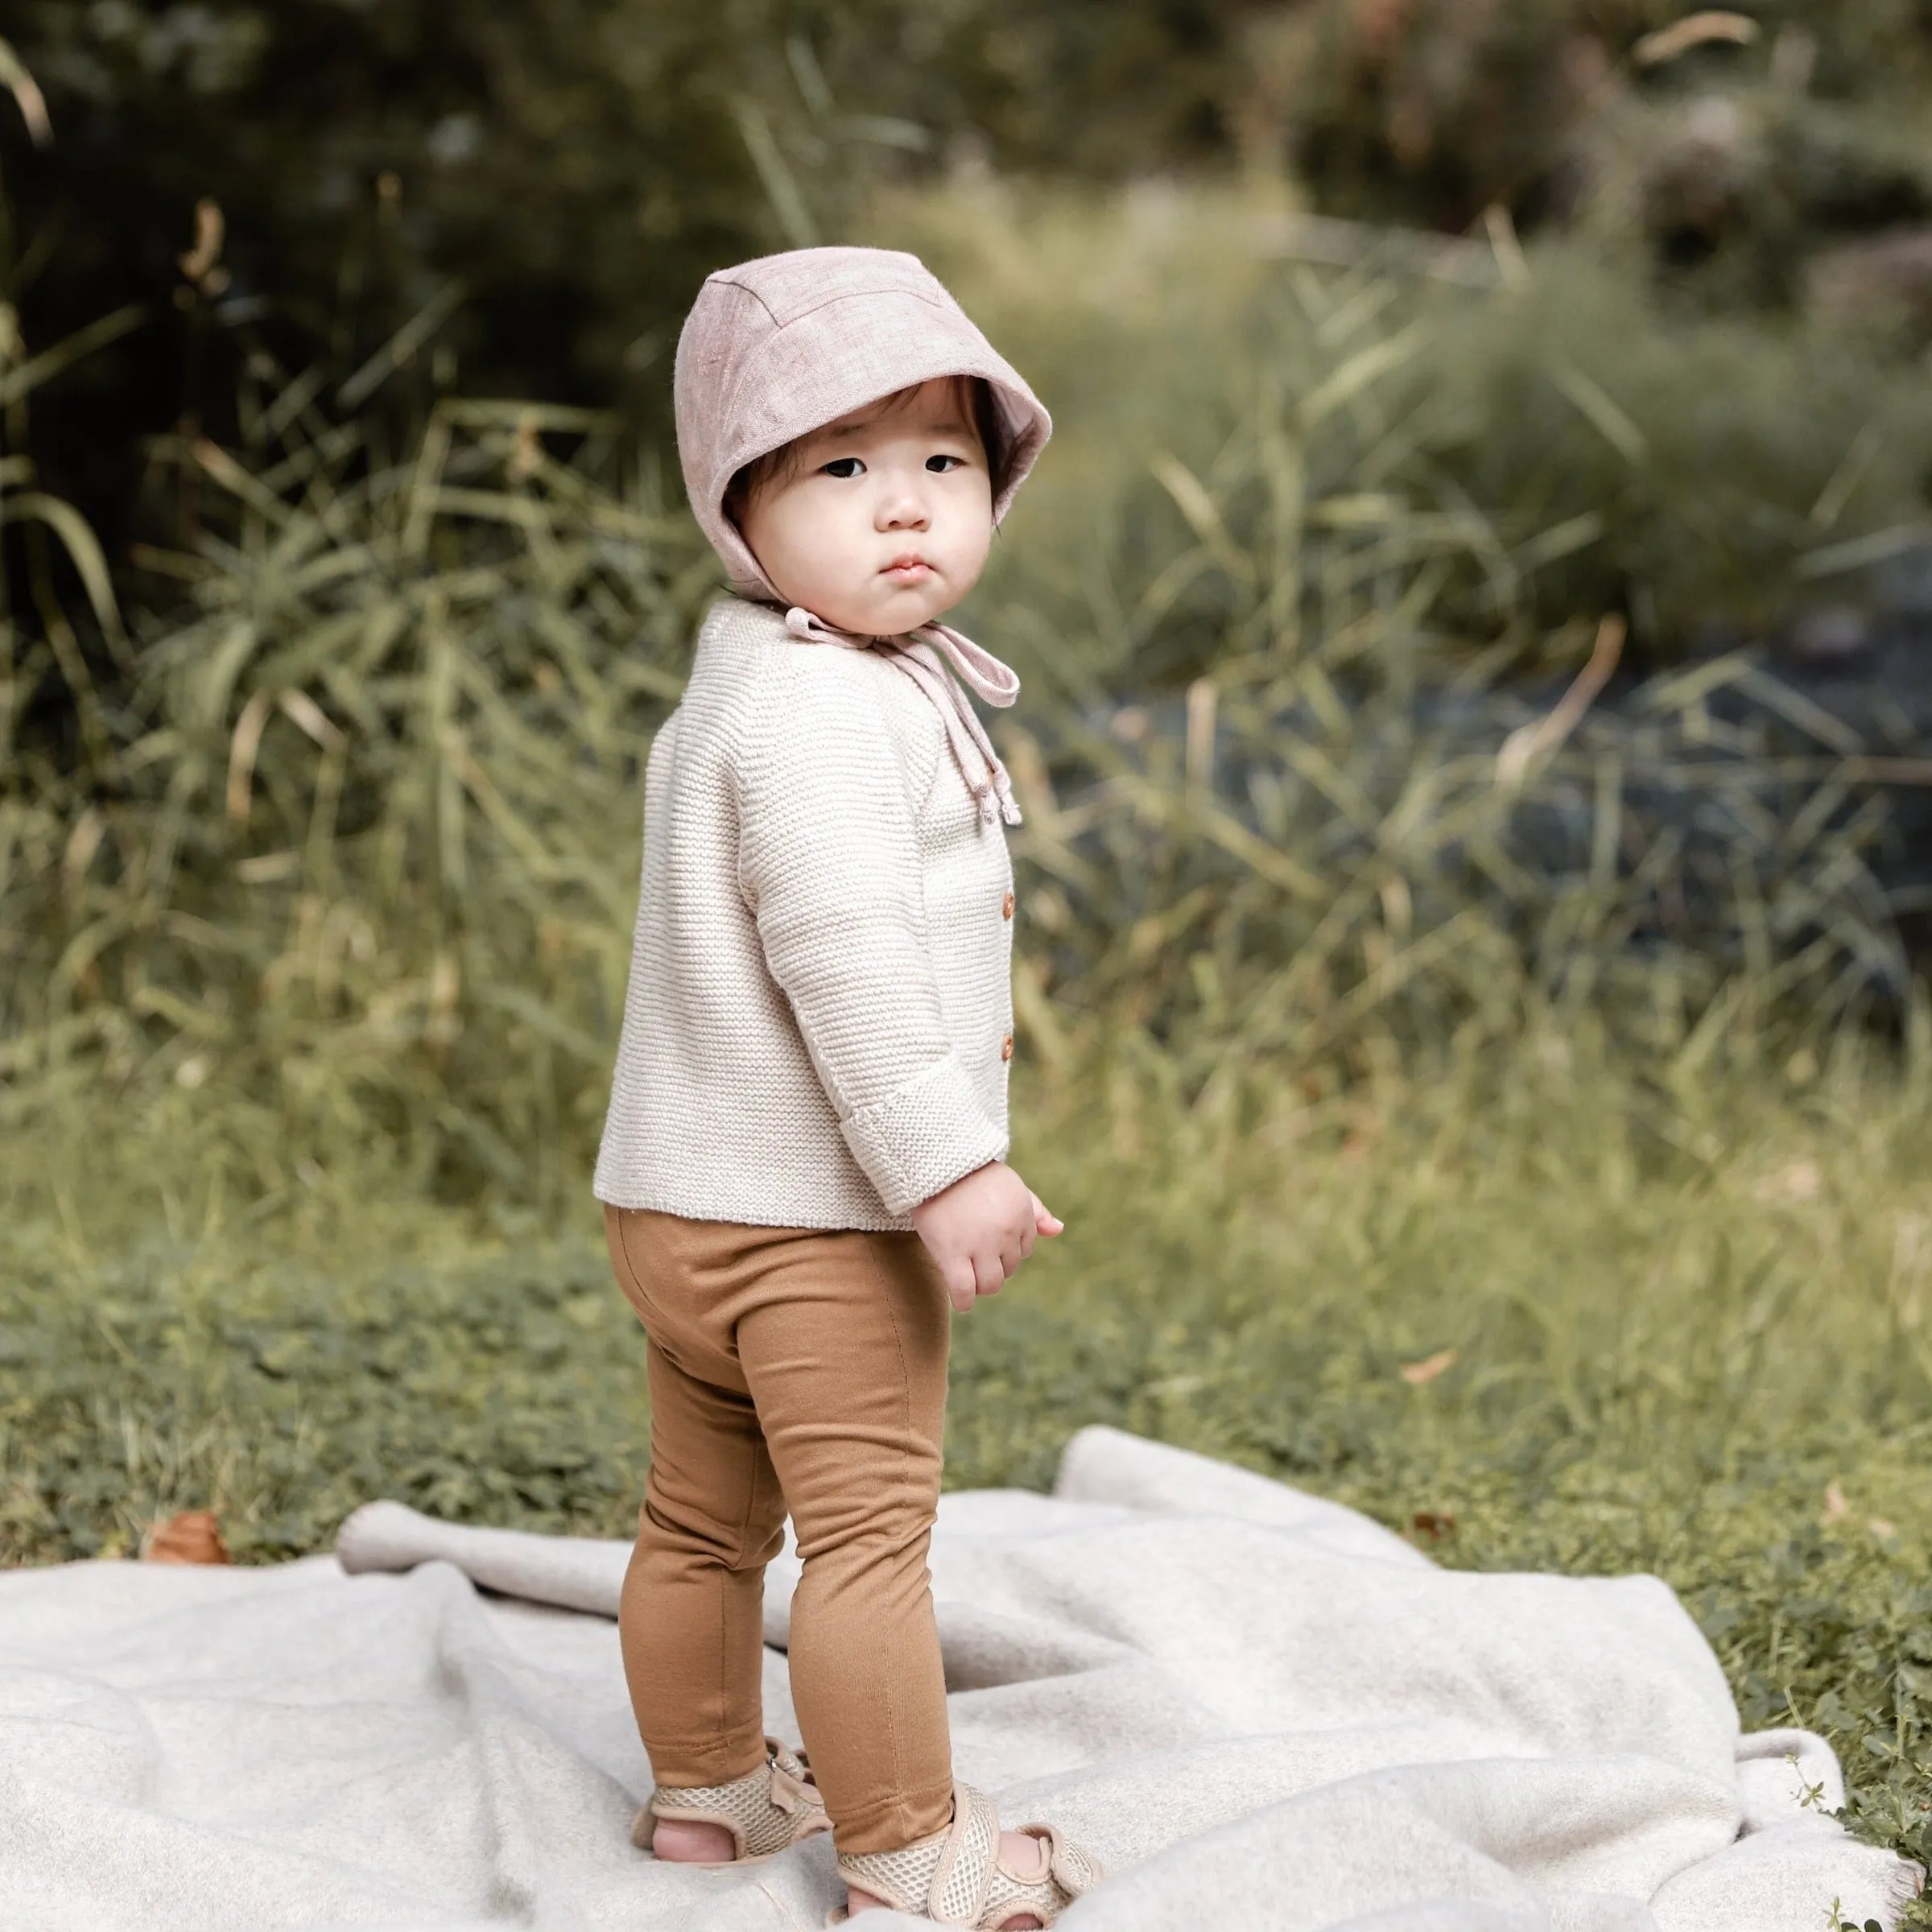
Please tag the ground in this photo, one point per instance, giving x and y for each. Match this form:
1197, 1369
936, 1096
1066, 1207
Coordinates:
1564, 1319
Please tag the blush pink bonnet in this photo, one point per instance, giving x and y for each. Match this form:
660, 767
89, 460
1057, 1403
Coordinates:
775, 347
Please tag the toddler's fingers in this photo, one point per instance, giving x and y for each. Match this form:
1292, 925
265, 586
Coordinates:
992, 1275
1044, 1218
962, 1284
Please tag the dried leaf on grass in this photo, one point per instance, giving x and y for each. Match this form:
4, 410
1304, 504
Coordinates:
192, 1535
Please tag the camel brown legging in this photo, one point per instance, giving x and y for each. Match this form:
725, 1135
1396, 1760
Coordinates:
796, 1367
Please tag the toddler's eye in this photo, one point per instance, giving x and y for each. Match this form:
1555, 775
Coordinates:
939, 465
844, 466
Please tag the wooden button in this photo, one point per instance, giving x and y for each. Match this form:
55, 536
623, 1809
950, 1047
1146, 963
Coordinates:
1006, 1047
1006, 906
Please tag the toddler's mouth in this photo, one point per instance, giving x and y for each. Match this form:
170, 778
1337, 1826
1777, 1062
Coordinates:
908, 569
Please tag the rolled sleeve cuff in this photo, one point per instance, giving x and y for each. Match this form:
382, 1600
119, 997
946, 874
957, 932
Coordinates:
932, 1132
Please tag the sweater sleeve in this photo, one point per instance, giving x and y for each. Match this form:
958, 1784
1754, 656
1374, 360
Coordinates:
828, 861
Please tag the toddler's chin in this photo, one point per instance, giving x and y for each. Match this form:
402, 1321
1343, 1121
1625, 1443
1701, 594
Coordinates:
889, 615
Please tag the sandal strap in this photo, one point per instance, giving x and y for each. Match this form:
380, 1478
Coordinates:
964, 1871
1067, 1870
764, 1811
956, 1877
903, 1879
1074, 1868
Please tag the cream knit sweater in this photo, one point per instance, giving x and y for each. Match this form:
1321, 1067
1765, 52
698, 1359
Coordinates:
819, 1014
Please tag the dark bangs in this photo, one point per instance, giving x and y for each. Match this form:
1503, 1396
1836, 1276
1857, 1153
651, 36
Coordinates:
978, 404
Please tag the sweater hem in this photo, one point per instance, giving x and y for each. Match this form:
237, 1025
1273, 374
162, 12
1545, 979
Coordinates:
851, 1219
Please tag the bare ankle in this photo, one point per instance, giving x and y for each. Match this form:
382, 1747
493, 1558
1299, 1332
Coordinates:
681, 1841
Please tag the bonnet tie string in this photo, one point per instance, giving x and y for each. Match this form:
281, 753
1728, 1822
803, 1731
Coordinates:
917, 655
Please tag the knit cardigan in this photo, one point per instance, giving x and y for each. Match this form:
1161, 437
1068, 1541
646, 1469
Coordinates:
819, 1014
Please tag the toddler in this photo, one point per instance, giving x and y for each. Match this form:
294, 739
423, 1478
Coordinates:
802, 1161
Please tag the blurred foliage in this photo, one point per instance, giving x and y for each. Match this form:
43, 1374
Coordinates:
1713, 352
1760, 130
352, 853
1742, 473
576, 166
376, 781
574, 170
1718, 479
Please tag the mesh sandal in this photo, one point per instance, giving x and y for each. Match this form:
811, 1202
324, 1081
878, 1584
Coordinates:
764, 1811
958, 1877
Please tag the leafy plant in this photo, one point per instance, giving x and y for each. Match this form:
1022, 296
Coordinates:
576, 166
364, 841
358, 851
1433, 112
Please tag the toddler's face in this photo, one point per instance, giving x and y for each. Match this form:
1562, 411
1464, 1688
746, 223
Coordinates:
882, 520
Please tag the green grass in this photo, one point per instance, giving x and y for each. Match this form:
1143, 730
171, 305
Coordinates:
1690, 1335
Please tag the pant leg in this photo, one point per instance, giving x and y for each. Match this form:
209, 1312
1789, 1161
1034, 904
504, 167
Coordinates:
691, 1617
843, 1343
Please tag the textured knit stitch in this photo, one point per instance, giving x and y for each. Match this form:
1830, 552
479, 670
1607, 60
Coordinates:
821, 981
916, 654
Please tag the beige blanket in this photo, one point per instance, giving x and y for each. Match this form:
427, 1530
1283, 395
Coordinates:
1262, 1709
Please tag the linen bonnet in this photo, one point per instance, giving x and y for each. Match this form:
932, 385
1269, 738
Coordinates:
776, 348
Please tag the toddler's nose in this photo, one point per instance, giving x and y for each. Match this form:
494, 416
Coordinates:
903, 508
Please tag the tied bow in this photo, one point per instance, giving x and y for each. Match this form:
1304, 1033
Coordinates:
917, 655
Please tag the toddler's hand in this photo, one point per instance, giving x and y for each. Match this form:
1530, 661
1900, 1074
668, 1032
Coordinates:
979, 1229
